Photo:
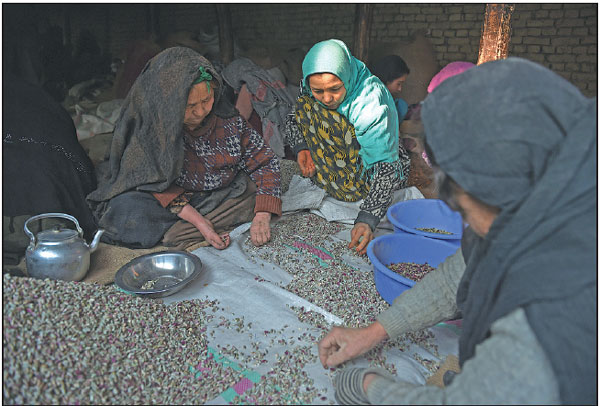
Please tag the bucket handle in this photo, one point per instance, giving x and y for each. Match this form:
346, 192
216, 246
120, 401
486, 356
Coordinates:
46, 215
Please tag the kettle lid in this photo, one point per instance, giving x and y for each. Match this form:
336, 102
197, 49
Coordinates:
56, 235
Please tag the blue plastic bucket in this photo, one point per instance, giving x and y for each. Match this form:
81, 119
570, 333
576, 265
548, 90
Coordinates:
409, 215
403, 247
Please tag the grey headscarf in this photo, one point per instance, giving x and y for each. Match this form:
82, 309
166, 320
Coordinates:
147, 147
524, 140
273, 106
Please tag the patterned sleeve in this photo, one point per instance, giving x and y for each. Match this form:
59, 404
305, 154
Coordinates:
173, 199
293, 134
262, 165
387, 177
177, 204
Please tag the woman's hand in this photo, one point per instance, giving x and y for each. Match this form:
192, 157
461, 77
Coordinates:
343, 344
360, 230
260, 230
206, 228
307, 166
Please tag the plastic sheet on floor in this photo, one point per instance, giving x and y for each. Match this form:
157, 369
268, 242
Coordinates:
252, 296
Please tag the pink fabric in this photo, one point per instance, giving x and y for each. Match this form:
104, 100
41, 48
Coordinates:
243, 385
452, 69
457, 323
244, 102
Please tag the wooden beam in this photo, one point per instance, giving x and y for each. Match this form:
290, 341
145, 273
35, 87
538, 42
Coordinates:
152, 20
107, 30
155, 18
225, 33
495, 35
362, 30
67, 41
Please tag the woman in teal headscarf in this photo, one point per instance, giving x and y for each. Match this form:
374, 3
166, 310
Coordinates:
345, 135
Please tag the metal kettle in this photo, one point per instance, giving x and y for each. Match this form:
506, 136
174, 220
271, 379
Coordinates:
59, 253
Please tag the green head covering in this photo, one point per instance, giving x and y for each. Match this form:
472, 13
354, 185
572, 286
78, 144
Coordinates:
203, 76
368, 105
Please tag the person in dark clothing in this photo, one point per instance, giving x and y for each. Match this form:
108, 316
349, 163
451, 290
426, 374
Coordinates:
393, 72
44, 167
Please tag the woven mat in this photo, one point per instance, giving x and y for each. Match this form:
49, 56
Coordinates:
450, 364
107, 259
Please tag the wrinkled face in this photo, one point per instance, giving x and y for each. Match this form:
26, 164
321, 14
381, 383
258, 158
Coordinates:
328, 89
199, 104
395, 86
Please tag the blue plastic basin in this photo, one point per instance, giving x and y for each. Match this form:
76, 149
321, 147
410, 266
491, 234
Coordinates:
403, 247
409, 215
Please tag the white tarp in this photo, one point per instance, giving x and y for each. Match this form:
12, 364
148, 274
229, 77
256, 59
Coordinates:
254, 290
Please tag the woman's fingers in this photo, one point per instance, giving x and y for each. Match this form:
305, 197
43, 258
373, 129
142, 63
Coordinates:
311, 166
260, 230
361, 235
226, 240
217, 242
340, 345
327, 347
220, 242
362, 245
354, 236
260, 237
307, 166
301, 159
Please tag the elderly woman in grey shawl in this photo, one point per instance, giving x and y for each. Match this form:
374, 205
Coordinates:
518, 158
182, 155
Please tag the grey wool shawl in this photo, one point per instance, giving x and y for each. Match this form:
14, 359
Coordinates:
273, 106
523, 139
147, 147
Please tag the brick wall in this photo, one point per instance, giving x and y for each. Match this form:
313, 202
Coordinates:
453, 29
561, 36
291, 25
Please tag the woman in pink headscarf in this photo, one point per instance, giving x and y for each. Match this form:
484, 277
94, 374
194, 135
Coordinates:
452, 69
414, 113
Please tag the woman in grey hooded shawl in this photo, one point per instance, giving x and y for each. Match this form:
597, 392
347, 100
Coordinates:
519, 159
174, 162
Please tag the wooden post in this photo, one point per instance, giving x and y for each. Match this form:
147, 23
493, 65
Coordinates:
225, 33
495, 35
106, 48
362, 30
67, 41
155, 17
152, 26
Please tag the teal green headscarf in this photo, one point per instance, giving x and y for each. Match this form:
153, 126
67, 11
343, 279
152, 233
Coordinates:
367, 105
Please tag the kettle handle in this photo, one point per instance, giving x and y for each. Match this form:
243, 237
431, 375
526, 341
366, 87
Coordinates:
46, 215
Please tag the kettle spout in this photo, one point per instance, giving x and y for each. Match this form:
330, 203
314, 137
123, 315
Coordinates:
96, 240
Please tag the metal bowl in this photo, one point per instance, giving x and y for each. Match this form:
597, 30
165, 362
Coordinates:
158, 274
